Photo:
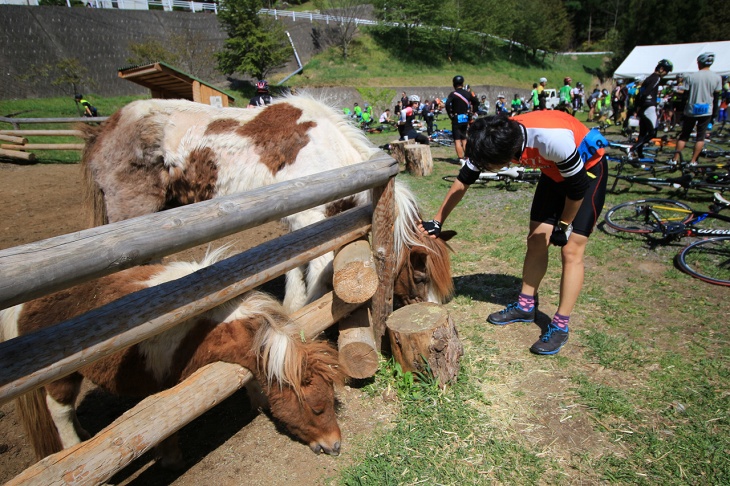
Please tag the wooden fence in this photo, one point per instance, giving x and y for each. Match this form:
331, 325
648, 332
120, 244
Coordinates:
36, 269
14, 144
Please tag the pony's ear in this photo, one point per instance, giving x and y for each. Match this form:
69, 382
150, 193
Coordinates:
447, 235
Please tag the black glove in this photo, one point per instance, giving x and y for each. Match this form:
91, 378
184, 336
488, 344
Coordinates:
561, 233
432, 227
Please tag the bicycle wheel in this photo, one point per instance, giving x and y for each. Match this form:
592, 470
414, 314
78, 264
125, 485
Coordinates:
647, 215
707, 260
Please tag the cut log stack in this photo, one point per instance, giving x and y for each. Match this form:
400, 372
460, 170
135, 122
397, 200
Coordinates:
355, 281
13, 143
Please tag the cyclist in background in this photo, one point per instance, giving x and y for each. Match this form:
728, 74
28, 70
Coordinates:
534, 98
703, 93
566, 97
578, 97
618, 101
516, 105
500, 107
542, 94
89, 109
460, 105
646, 103
262, 97
407, 115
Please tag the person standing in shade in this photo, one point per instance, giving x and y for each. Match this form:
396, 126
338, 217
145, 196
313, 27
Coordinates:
460, 104
703, 92
646, 103
568, 200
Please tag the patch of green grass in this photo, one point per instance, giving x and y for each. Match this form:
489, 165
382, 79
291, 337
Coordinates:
613, 351
441, 437
604, 400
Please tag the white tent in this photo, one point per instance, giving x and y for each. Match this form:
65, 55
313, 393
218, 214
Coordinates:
643, 59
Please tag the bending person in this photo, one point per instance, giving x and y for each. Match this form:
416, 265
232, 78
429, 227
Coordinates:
567, 202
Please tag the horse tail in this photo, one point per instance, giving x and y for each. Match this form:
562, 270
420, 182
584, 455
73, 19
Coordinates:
38, 424
92, 193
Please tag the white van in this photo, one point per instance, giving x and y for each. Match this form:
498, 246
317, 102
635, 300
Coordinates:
552, 100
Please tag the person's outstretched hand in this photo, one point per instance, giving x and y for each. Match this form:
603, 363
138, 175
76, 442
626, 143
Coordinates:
430, 228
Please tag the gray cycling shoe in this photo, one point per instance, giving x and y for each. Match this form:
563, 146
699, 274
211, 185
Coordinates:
512, 313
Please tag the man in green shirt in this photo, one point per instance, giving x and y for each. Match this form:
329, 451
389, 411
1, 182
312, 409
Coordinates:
565, 95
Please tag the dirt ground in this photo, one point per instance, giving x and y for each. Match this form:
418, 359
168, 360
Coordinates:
231, 444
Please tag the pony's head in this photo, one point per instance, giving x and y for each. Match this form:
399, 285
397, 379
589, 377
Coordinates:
299, 378
423, 268
307, 408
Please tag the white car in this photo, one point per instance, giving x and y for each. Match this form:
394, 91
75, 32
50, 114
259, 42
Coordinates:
552, 100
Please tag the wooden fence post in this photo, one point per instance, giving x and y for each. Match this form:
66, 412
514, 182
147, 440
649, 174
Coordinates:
383, 230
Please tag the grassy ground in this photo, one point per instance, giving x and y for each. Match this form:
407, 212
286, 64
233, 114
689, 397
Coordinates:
639, 395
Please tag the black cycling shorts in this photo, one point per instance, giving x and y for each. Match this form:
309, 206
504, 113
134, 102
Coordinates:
458, 130
688, 124
549, 200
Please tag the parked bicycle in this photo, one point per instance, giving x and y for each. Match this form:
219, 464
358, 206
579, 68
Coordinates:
506, 175
709, 178
667, 220
442, 138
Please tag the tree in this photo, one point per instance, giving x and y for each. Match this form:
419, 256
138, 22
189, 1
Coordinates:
68, 72
188, 51
410, 15
343, 32
256, 45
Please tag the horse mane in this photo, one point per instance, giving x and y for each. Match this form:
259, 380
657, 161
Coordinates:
38, 424
407, 236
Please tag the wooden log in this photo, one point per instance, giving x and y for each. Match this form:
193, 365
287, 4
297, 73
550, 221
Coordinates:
356, 342
13, 139
44, 146
355, 279
32, 360
96, 460
397, 150
383, 236
17, 154
35, 269
423, 337
419, 161
42, 133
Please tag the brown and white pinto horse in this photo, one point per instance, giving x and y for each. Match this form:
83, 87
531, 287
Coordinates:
251, 330
156, 154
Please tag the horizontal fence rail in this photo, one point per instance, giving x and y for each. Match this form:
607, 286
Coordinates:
32, 360
36, 269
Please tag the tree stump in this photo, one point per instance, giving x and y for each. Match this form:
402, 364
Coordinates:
397, 150
419, 161
355, 278
422, 337
358, 353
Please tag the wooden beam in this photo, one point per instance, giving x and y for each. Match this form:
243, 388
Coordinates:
11, 138
384, 254
41, 133
35, 269
30, 361
128, 437
44, 146
17, 154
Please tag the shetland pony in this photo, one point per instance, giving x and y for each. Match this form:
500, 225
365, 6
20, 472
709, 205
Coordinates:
157, 154
251, 330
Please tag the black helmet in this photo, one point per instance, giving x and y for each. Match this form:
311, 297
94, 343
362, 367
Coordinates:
666, 65
458, 81
78, 96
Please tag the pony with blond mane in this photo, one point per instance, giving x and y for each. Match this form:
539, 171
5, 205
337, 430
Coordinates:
157, 154
251, 330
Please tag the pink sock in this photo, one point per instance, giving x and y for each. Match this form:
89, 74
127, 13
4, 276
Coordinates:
561, 321
526, 302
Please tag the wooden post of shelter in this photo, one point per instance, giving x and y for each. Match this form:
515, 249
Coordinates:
423, 337
383, 237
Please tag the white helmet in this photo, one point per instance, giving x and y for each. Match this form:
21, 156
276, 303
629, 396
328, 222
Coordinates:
414, 98
543, 80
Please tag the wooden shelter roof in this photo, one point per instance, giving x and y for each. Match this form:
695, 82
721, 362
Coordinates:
160, 76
